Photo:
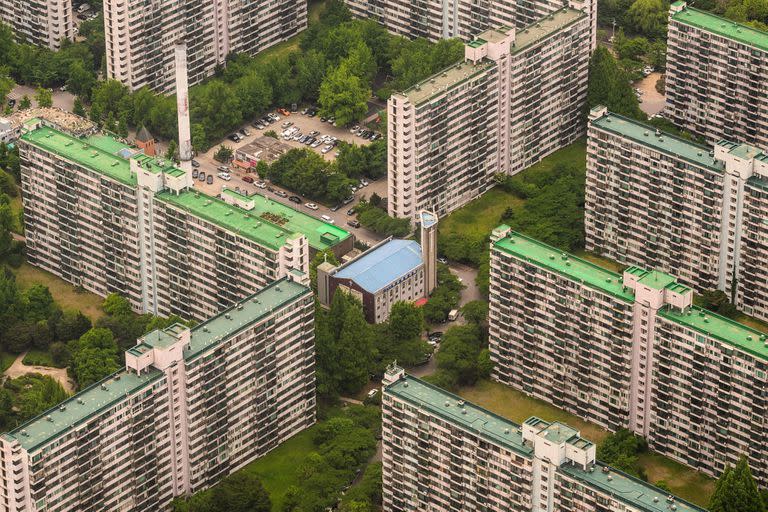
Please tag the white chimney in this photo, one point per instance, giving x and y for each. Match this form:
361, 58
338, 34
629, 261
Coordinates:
182, 105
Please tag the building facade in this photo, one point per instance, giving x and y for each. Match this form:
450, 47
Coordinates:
717, 77
102, 215
629, 351
441, 453
40, 22
190, 407
659, 201
442, 19
516, 97
140, 40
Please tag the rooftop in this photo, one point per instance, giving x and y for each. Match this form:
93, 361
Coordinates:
723, 27
721, 328
565, 264
545, 27
445, 80
269, 223
93, 153
243, 314
663, 142
382, 265
467, 415
113, 389
502, 432
80, 407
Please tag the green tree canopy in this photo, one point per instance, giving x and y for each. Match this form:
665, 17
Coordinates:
736, 491
608, 85
344, 96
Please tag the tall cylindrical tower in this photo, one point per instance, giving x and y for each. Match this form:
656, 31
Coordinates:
182, 105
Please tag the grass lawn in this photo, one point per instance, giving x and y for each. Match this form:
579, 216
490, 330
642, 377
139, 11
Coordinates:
63, 293
480, 216
291, 44
606, 263
36, 357
752, 322
6, 360
510, 403
16, 208
278, 469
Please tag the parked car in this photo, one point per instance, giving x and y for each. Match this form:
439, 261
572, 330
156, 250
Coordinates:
311, 206
335, 208
225, 176
195, 173
326, 149
348, 200
351, 211
280, 193
11, 102
364, 182
295, 199
372, 393
327, 219
209, 179
315, 144
201, 176
234, 137
195, 163
247, 179
442, 260
283, 112
222, 168
261, 184
354, 223
286, 124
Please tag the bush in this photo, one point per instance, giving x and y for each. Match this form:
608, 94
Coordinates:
377, 220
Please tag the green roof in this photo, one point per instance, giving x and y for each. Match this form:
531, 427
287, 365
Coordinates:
206, 335
565, 264
723, 27
545, 27
504, 432
80, 407
445, 80
471, 417
83, 152
663, 142
250, 310
721, 328
269, 223
628, 489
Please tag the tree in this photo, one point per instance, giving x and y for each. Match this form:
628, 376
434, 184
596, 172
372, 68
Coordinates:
25, 103
116, 305
458, 355
717, 301
406, 321
108, 97
343, 96
6, 86
254, 92
241, 492
475, 312
224, 154
18, 337
320, 257
621, 449
44, 97
648, 17
608, 85
94, 356
170, 153
6, 224
81, 81
310, 71
78, 108
736, 491
38, 303
361, 62
71, 325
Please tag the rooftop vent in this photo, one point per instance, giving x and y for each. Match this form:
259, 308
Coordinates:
80, 401
24, 433
48, 418
62, 408
447, 403
104, 387
506, 431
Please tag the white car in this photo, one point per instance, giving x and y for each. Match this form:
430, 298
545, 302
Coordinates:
372, 393
311, 206
326, 149
327, 219
224, 176
260, 184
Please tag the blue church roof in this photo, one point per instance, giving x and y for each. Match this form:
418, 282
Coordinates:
379, 267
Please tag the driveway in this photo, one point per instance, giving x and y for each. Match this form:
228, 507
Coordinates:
651, 101
61, 99
18, 368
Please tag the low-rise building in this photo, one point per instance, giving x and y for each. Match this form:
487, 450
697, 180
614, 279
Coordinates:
442, 453
628, 350
100, 214
390, 272
717, 71
517, 97
190, 407
663, 202
40, 22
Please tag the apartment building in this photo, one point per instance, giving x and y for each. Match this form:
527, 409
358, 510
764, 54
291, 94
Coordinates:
40, 22
516, 97
659, 201
442, 19
190, 407
442, 453
628, 350
717, 76
140, 39
100, 214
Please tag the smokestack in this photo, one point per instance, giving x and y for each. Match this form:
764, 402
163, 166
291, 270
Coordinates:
182, 106
429, 249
